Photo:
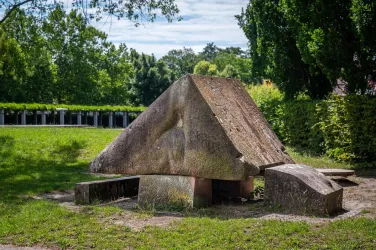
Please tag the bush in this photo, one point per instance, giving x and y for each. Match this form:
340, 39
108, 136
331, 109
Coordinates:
342, 127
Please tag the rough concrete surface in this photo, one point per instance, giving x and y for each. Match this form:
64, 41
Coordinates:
110, 189
201, 126
302, 190
158, 191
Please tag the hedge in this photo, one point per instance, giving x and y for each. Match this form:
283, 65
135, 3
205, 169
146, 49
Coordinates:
39, 106
342, 127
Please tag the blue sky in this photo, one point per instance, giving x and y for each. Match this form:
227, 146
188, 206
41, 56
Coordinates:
203, 22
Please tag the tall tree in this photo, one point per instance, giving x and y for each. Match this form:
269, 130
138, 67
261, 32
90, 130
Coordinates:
275, 54
181, 61
152, 78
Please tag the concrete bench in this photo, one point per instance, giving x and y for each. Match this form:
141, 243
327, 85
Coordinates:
335, 172
103, 190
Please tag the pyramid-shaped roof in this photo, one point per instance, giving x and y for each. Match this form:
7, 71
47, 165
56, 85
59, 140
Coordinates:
201, 126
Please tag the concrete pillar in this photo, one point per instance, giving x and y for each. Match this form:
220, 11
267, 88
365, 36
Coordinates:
79, 117
23, 117
110, 120
53, 117
62, 117
185, 191
43, 116
2, 118
95, 118
125, 119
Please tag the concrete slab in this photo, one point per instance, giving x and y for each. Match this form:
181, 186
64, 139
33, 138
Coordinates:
300, 189
335, 172
104, 190
161, 191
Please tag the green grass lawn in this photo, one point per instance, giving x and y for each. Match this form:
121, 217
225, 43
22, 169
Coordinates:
37, 160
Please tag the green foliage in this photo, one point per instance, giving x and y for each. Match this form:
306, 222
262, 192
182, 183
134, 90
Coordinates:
152, 78
39, 106
341, 127
206, 68
275, 54
308, 45
181, 62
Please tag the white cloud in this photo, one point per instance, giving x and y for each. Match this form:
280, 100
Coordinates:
205, 21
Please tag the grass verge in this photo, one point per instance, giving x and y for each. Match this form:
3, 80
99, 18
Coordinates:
36, 160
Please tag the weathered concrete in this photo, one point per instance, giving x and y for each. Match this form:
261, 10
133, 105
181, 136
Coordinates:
87, 192
201, 126
335, 172
302, 190
158, 191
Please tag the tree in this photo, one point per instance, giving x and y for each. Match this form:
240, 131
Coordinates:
275, 54
230, 72
206, 68
209, 52
181, 61
308, 45
152, 78
136, 10
337, 37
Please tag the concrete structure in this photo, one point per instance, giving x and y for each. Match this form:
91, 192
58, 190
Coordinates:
157, 191
201, 126
79, 117
335, 172
23, 117
95, 119
2, 117
62, 113
43, 117
110, 119
300, 189
88, 192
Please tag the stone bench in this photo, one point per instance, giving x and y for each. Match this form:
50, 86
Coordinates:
103, 190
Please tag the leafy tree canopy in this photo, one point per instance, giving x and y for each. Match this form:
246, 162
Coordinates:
135, 10
308, 45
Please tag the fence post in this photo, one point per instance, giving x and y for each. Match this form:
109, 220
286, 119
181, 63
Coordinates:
79, 118
43, 117
2, 118
23, 117
95, 118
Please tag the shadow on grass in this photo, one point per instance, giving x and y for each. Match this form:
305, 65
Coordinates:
28, 172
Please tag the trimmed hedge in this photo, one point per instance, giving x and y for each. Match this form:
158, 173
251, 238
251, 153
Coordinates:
344, 128
39, 106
